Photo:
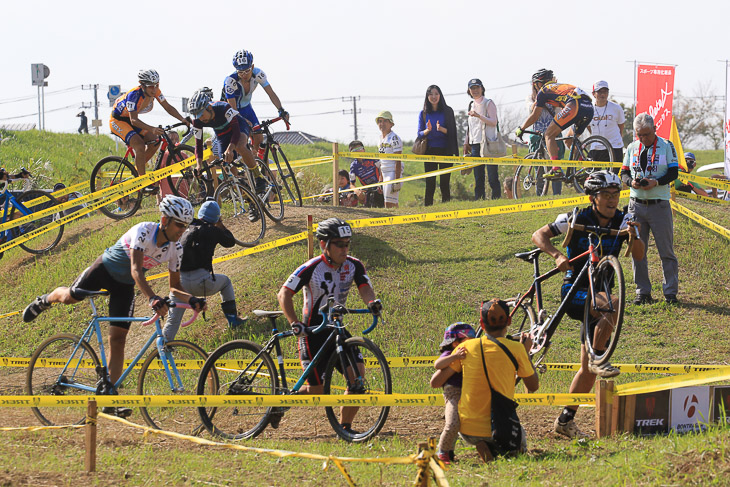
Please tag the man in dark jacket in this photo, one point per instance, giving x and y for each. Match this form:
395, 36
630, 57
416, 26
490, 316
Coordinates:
196, 270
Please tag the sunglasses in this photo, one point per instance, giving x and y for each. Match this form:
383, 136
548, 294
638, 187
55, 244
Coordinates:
341, 244
245, 71
179, 224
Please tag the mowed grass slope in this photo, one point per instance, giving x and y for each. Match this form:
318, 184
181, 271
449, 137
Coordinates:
428, 275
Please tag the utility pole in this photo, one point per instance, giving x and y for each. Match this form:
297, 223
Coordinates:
96, 123
354, 110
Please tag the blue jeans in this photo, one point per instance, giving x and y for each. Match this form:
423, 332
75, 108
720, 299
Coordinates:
492, 174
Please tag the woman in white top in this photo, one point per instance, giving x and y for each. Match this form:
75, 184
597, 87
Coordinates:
608, 121
481, 111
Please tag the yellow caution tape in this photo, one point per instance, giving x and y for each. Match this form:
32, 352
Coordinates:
507, 161
41, 428
364, 400
700, 219
58, 194
699, 197
691, 379
711, 182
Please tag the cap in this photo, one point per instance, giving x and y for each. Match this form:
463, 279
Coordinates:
58, 187
494, 314
386, 115
600, 84
209, 212
455, 331
355, 144
475, 82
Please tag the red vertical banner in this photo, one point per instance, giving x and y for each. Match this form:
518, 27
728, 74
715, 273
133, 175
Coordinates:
655, 94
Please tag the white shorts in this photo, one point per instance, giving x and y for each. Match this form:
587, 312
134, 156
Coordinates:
389, 195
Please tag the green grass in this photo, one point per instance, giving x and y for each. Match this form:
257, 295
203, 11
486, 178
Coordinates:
428, 275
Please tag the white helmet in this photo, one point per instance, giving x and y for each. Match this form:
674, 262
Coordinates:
148, 77
199, 102
599, 180
177, 208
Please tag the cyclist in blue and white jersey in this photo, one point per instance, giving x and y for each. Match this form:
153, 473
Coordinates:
228, 126
238, 89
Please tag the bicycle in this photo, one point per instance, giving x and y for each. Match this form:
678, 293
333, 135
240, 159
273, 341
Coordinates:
603, 275
114, 170
268, 147
171, 368
23, 204
238, 203
242, 367
535, 180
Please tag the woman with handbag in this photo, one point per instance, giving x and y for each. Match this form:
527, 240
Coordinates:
482, 126
437, 127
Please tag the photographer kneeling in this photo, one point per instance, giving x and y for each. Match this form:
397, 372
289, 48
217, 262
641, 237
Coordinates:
488, 386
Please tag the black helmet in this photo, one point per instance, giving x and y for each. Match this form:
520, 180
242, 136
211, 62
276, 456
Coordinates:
333, 228
599, 180
542, 75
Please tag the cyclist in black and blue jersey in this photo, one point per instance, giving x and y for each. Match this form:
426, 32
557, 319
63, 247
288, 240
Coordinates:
228, 126
604, 190
328, 275
367, 171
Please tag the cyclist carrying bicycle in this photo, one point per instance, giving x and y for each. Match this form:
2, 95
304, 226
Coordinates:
125, 123
123, 266
329, 275
228, 125
238, 89
576, 109
603, 189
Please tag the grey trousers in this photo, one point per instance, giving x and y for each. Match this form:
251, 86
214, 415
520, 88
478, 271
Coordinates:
452, 394
198, 283
657, 218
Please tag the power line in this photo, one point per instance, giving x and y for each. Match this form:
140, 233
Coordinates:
32, 97
36, 113
373, 97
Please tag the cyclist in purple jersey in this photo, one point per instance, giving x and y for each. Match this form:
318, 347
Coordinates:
228, 125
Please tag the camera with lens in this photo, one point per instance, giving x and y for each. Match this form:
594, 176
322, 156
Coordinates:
642, 181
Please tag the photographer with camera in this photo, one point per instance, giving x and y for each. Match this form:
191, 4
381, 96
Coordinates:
650, 165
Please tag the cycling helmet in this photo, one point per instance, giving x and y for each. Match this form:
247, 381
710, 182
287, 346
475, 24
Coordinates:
689, 158
333, 228
242, 60
599, 180
177, 208
148, 77
542, 75
199, 102
207, 91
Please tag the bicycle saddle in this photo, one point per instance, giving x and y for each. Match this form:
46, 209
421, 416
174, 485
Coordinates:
268, 314
529, 256
85, 293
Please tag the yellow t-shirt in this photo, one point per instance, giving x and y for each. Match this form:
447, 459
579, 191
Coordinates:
475, 406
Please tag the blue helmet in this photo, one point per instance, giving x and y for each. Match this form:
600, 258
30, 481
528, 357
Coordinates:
242, 60
689, 158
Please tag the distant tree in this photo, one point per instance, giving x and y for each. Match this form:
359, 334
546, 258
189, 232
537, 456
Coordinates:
628, 134
461, 125
699, 118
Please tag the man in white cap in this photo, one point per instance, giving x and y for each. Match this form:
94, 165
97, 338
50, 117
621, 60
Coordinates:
608, 121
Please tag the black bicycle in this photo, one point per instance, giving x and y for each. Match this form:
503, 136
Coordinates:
604, 279
285, 176
114, 170
245, 368
535, 180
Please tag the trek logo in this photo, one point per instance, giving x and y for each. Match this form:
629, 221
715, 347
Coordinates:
649, 422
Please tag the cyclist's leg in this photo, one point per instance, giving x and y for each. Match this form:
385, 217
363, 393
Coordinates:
307, 348
250, 117
121, 303
606, 321
347, 413
553, 131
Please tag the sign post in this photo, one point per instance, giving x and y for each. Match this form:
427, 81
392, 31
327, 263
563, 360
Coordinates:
38, 73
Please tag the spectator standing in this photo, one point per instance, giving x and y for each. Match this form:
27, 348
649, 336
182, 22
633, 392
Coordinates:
455, 335
83, 127
436, 122
650, 165
368, 172
488, 352
482, 122
196, 270
390, 143
608, 121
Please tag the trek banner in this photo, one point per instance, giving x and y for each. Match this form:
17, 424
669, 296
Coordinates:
655, 94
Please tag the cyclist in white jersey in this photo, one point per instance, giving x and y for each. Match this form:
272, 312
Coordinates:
390, 143
123, 266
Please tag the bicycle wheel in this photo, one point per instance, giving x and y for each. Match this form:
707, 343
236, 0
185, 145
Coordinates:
608, 281
46, 377
287, 177
529, 180
111, 171
194, 189
36, 200
594, 148
241, 212
369, 419
237, 368
271, 201
188, 359
178, 154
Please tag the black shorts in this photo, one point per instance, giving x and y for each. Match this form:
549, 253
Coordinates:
309, 345
576, 306
576, 112
121, 295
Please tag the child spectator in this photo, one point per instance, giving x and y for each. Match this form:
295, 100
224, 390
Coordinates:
368, 172
346, 199
454, 335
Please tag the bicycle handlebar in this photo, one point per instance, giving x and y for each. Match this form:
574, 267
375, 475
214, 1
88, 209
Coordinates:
331, 309
266, 123
174, 305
